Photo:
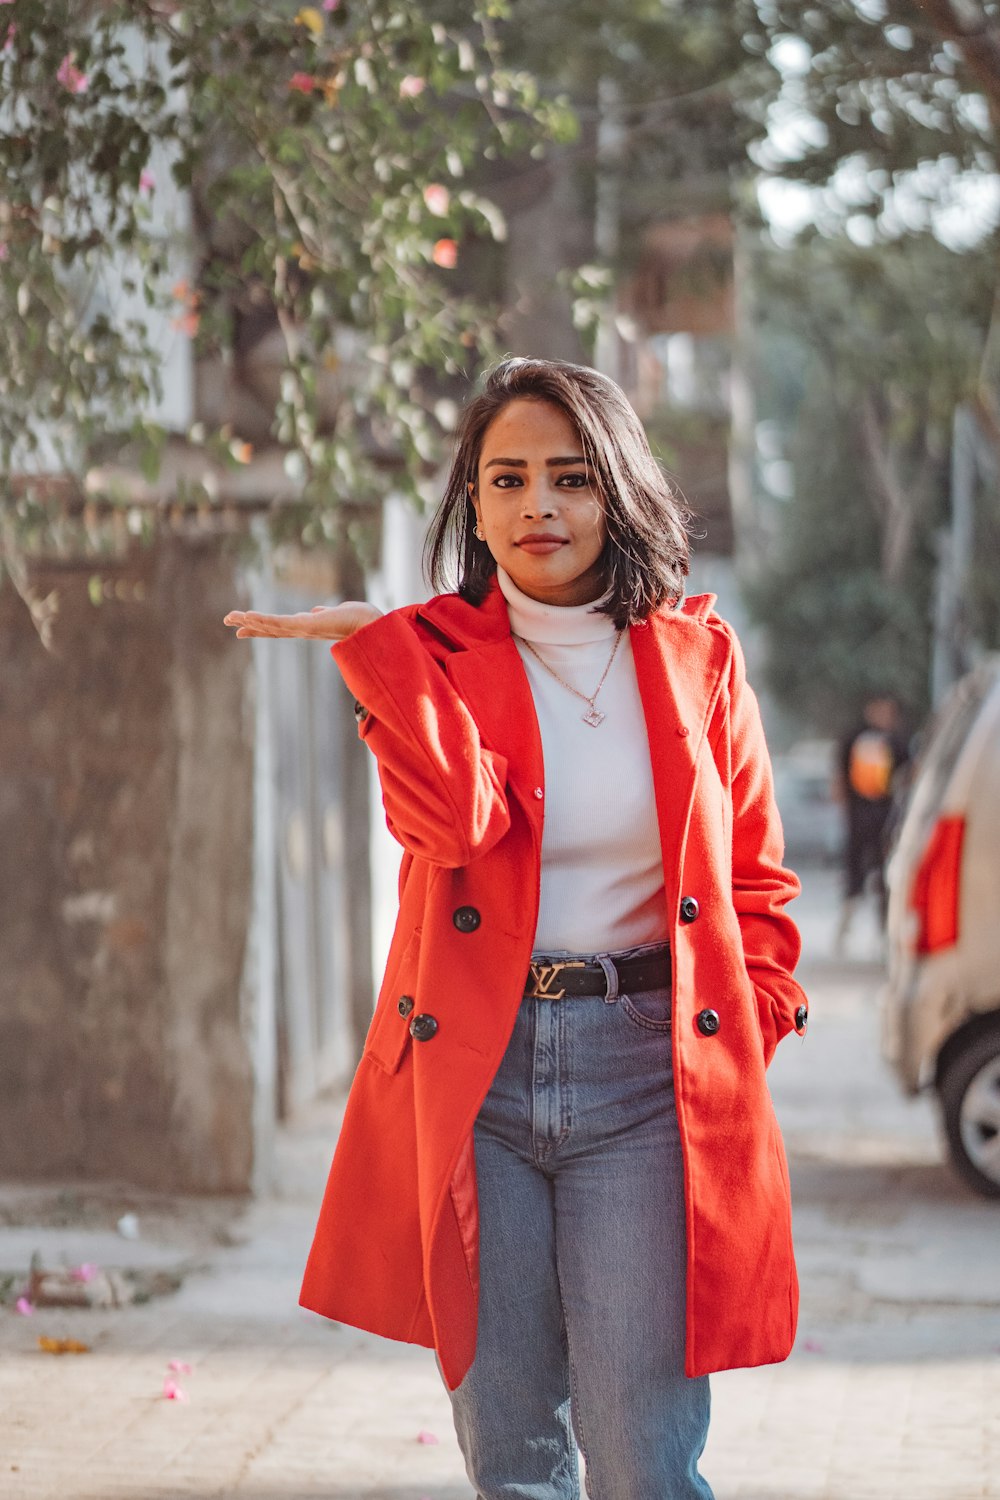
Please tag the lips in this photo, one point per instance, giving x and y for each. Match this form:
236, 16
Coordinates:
541, 542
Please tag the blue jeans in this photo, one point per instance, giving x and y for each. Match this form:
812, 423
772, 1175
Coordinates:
582, 1263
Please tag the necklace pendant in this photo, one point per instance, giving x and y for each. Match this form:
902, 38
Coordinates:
593, 717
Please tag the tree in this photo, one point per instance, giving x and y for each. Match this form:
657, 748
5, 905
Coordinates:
663, 93
883, 343
890, 109
326, 149
883, 94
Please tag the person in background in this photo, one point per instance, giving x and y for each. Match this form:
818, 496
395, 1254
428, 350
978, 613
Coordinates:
869, 762
559, 1165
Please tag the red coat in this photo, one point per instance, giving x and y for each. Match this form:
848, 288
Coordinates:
451, 721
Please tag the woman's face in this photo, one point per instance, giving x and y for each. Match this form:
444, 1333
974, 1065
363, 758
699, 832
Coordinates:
539, 505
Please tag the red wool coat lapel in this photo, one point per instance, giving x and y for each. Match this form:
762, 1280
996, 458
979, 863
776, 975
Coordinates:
491, 679
679, 667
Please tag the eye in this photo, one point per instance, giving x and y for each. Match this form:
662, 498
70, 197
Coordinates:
501, 481
577, 479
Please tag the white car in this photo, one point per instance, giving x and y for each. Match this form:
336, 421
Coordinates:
941, 1005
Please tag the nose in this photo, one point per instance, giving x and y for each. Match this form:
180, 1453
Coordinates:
537, 500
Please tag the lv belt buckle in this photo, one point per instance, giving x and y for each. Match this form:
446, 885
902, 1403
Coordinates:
544, 976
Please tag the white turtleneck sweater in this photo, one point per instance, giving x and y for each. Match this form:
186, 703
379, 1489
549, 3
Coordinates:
602, 874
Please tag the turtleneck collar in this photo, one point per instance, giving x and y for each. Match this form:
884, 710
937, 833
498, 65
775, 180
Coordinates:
553, 624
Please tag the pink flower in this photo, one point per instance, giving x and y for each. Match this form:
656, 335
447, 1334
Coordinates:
437, 198
188, 324
147, 181
303, 83
69, 75
179, 1366
331, 4
411, 86
24, 1307
445, 253
427, 1437
86, 1272
172, 1391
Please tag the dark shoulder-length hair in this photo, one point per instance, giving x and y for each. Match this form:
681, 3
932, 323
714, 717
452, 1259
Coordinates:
647, 550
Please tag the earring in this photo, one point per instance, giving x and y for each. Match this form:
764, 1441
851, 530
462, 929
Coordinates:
480, 533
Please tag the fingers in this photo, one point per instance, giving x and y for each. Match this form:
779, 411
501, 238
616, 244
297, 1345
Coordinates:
322, 622
250, 623
270, 627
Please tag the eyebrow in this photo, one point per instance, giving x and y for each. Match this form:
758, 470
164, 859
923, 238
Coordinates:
522, 463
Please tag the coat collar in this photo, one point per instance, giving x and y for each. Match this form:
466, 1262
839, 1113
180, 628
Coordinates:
470, 625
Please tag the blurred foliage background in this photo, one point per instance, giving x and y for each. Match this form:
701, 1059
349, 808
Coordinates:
337, 178
315, 143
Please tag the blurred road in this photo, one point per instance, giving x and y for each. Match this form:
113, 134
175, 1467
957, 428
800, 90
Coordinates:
892, 1392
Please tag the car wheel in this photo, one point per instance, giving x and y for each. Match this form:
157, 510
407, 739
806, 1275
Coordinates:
970, 1103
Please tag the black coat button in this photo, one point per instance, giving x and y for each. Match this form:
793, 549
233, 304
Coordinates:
404, 1004
708, 1022
423, 1027
689, 909
801, 1018
360, 712
466, 918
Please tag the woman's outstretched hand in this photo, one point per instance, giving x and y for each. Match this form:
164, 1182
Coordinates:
322, 623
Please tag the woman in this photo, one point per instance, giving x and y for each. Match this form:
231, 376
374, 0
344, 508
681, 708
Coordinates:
559, 1165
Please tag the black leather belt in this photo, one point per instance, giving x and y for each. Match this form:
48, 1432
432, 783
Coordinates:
564, 978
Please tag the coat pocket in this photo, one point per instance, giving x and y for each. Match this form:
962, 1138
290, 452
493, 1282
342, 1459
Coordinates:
389, 1033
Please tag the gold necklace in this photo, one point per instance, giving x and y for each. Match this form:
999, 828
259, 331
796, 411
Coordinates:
593, 716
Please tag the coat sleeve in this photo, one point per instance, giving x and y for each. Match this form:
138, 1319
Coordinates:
442, 789
761, 884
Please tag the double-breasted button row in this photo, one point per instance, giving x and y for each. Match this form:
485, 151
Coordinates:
801, 1018
423, 1026
707, 1020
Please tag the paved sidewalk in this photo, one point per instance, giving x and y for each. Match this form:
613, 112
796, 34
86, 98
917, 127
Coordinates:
892, 1393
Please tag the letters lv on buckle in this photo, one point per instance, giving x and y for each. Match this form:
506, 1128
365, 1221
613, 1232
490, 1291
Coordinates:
544, 976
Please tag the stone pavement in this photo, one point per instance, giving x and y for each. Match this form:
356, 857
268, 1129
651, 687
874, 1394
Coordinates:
892, 1392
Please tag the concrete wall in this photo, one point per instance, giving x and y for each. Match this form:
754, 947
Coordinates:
126, 817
